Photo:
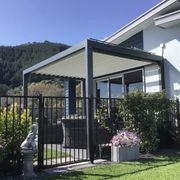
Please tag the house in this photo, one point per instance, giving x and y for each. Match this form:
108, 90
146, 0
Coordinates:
156, 31
142, 55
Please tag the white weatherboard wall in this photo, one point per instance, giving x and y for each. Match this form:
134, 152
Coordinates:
153, 37
152, 79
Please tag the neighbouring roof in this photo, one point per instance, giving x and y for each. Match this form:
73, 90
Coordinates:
145, 20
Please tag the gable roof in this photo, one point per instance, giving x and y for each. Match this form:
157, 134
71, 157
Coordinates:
143, 21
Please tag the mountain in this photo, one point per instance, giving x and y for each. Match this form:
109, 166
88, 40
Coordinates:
14, 59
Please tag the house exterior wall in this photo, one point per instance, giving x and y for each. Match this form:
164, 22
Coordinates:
152, 38
152, 76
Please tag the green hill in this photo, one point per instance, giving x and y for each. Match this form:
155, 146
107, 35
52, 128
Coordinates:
14, 59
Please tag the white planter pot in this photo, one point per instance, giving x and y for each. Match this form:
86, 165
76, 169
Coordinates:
119, 154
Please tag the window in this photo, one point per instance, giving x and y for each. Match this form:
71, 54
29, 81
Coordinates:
114, 87
135, 41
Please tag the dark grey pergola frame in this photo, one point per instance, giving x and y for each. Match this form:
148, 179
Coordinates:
91, 46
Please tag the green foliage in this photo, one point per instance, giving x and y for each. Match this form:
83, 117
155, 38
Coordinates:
46, 88
14, 59
17, 91
3, 89
101, 117
144, 114
175, 131
104, 122
14, 124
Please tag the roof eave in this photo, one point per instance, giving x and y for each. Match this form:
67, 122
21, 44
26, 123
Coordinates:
148, 14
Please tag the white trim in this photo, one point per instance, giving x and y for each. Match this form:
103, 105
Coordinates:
168, 20
145, 16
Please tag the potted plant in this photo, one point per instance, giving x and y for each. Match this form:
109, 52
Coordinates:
125, 146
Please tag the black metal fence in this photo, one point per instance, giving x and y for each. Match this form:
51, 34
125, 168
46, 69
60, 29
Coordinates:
62, 137
17, 113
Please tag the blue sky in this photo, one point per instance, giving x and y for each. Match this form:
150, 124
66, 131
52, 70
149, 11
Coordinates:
65, 21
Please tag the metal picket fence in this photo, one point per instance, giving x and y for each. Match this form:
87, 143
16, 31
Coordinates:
63, 138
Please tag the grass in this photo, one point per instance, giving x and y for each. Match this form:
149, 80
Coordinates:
51, 153
162, 166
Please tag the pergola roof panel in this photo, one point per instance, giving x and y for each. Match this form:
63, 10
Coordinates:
107, 59
70, 66
107, 64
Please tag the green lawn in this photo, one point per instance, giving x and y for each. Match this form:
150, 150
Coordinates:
51, 153
163, 166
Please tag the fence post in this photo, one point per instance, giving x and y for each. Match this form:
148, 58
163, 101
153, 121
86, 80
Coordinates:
40, 134
178, 113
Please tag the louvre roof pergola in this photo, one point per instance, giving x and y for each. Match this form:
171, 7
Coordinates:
88, 60
91, 59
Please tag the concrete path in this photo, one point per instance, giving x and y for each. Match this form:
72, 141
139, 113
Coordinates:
76, 166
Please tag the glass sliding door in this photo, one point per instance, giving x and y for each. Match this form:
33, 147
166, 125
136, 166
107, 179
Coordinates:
102, 89
116, 87
110, 88
133, 81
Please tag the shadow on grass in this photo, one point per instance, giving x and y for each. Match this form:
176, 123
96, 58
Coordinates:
160, 160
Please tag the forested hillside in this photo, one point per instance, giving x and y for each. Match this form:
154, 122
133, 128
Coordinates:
14, 59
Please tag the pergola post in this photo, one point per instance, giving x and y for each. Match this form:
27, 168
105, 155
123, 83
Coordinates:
25, 84
25, 88
89, 95
83, 90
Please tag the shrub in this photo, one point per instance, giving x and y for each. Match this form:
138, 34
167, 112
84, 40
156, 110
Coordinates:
144, 114
112, 123
14, 124
101, 117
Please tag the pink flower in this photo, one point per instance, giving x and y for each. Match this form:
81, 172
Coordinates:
125, 139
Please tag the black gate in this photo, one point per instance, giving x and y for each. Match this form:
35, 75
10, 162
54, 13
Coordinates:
62, 136
63, 129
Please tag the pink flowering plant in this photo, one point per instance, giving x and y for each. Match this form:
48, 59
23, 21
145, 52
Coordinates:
125, 139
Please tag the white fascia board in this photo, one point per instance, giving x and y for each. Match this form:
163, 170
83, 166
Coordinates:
56, 57
141, 19
168, 20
